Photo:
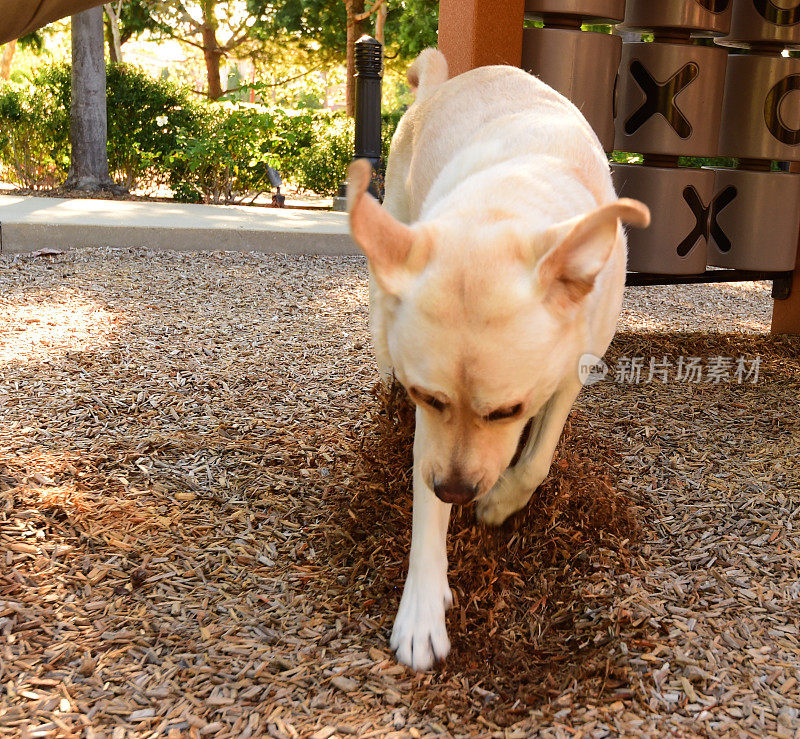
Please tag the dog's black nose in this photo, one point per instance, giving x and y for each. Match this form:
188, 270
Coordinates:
455, 490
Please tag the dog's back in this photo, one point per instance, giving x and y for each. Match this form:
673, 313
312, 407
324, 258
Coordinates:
517, 118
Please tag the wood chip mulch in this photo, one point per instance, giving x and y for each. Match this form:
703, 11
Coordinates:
205, 515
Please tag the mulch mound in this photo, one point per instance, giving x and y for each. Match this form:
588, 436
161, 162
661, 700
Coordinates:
523, 624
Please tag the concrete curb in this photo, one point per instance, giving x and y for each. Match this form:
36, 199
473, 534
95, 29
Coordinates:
31, 223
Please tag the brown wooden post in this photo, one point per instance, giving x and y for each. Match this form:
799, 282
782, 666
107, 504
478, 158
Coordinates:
474, 33
786, 313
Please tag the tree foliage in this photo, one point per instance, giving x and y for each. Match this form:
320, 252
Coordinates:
411, 26
321, 25
136, 17
315, 31
327, 29
218, 28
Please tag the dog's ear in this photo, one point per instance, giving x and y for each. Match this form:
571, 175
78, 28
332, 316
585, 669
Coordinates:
395, 252
583, 245
427, 72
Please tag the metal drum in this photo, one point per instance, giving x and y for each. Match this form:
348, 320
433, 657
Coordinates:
696, 17
595, 10
582, 66
668, 99
754, 220
764, 23
678, 197
761, 108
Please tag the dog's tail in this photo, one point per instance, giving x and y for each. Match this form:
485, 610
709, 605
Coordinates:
427, 72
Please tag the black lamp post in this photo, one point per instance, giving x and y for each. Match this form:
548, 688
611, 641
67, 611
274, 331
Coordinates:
369, 70
367, 144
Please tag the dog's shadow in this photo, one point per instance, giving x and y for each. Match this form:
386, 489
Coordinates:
534, 608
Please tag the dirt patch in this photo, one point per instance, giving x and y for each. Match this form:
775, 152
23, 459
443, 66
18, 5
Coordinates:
524, 624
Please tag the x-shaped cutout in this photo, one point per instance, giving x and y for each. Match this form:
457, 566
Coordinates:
706, 218
660, 98
700, 211
718, 202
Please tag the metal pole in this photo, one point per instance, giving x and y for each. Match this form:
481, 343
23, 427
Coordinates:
369, 68
367, 143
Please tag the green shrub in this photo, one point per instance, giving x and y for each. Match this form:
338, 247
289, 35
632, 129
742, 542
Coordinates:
623, 157
157, 133
34, 131
293, 134
314, 148
322, 165
707, 161
185, 192
147, 119
227, 158
389, 123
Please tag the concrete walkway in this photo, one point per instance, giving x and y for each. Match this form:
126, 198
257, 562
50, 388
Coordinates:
31, 223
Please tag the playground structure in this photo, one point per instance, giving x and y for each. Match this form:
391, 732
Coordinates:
713, 82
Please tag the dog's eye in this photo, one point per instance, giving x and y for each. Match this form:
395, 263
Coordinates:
502, 413
426, 399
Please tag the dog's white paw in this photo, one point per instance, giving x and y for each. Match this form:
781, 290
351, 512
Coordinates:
419, 636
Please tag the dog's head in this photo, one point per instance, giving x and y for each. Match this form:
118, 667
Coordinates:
481, 342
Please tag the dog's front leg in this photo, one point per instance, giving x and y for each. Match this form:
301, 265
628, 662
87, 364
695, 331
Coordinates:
420, 636
516, 485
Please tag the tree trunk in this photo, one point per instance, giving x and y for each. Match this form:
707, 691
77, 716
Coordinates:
5, 59
212, 54
114, 42
380, 22
353, 8
211, 49
88, 124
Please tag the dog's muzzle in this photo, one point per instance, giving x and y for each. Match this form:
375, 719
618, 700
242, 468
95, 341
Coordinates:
455, 490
